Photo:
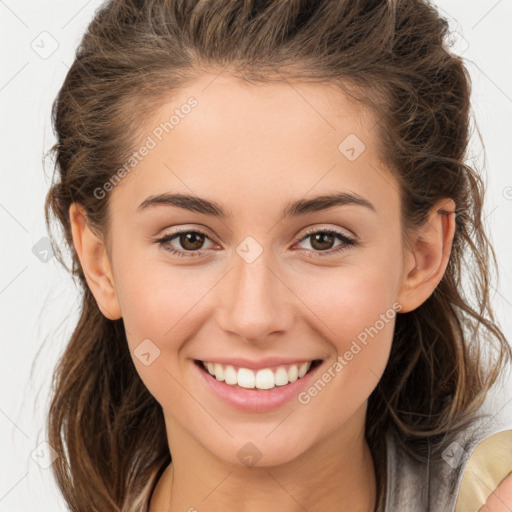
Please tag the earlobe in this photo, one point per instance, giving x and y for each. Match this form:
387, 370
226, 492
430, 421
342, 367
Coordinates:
94, 261
426, 261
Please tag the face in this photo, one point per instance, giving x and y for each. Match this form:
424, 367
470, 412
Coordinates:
253, 287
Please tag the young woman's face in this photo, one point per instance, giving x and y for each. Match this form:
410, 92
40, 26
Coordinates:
268, 284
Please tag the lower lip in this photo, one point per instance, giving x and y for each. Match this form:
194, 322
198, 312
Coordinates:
252, 400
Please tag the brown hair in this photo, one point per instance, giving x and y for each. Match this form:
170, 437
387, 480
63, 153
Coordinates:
391, 56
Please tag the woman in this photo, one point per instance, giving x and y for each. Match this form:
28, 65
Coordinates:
270, 216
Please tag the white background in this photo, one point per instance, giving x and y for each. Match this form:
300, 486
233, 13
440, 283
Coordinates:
38, 301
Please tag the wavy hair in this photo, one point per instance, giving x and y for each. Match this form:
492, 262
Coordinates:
392, 57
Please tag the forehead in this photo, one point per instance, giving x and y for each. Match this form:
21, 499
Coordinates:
258, 144
253, 117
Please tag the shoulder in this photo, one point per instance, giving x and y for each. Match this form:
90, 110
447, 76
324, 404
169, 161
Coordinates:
456, 480
487, 480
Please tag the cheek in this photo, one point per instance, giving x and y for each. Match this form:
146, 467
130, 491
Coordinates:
157, 307
363, 308
155, 298
351, 298
160, 306
357, 311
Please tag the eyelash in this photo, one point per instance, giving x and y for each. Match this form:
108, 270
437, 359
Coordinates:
347, 243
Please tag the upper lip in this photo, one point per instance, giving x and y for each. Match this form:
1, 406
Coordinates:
266, 362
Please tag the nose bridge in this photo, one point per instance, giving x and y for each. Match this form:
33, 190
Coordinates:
255, 302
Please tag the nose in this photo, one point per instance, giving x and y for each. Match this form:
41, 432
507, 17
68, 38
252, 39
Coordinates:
256, 302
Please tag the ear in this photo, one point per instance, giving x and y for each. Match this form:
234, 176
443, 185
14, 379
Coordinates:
427, 257
93, 258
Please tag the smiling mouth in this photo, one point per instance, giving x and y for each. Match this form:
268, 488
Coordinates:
263, 379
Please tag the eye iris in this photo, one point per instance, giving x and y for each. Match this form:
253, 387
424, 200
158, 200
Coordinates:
321, 237
185, 238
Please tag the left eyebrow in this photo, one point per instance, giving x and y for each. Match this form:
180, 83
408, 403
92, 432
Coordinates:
294, 209
325, 202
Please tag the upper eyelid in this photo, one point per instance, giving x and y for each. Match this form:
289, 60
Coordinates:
180, 231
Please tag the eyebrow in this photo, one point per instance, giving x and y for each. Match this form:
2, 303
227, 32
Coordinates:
294, 209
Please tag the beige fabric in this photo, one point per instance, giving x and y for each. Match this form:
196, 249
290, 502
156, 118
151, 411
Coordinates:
488, 466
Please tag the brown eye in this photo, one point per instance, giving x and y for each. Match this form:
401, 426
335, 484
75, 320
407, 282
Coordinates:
191, 241
322, 242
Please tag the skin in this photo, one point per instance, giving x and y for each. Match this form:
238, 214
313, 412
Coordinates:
253, 149
501, 499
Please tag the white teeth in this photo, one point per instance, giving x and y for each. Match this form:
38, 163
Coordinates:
262, 379
293, 373
246, 378
219, 372
281, 377
304, 367
265, 379
230, 375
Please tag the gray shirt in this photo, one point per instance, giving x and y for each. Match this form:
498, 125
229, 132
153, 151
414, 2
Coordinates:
415, 486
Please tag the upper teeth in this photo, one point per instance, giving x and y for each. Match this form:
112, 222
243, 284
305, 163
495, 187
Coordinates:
262, 379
